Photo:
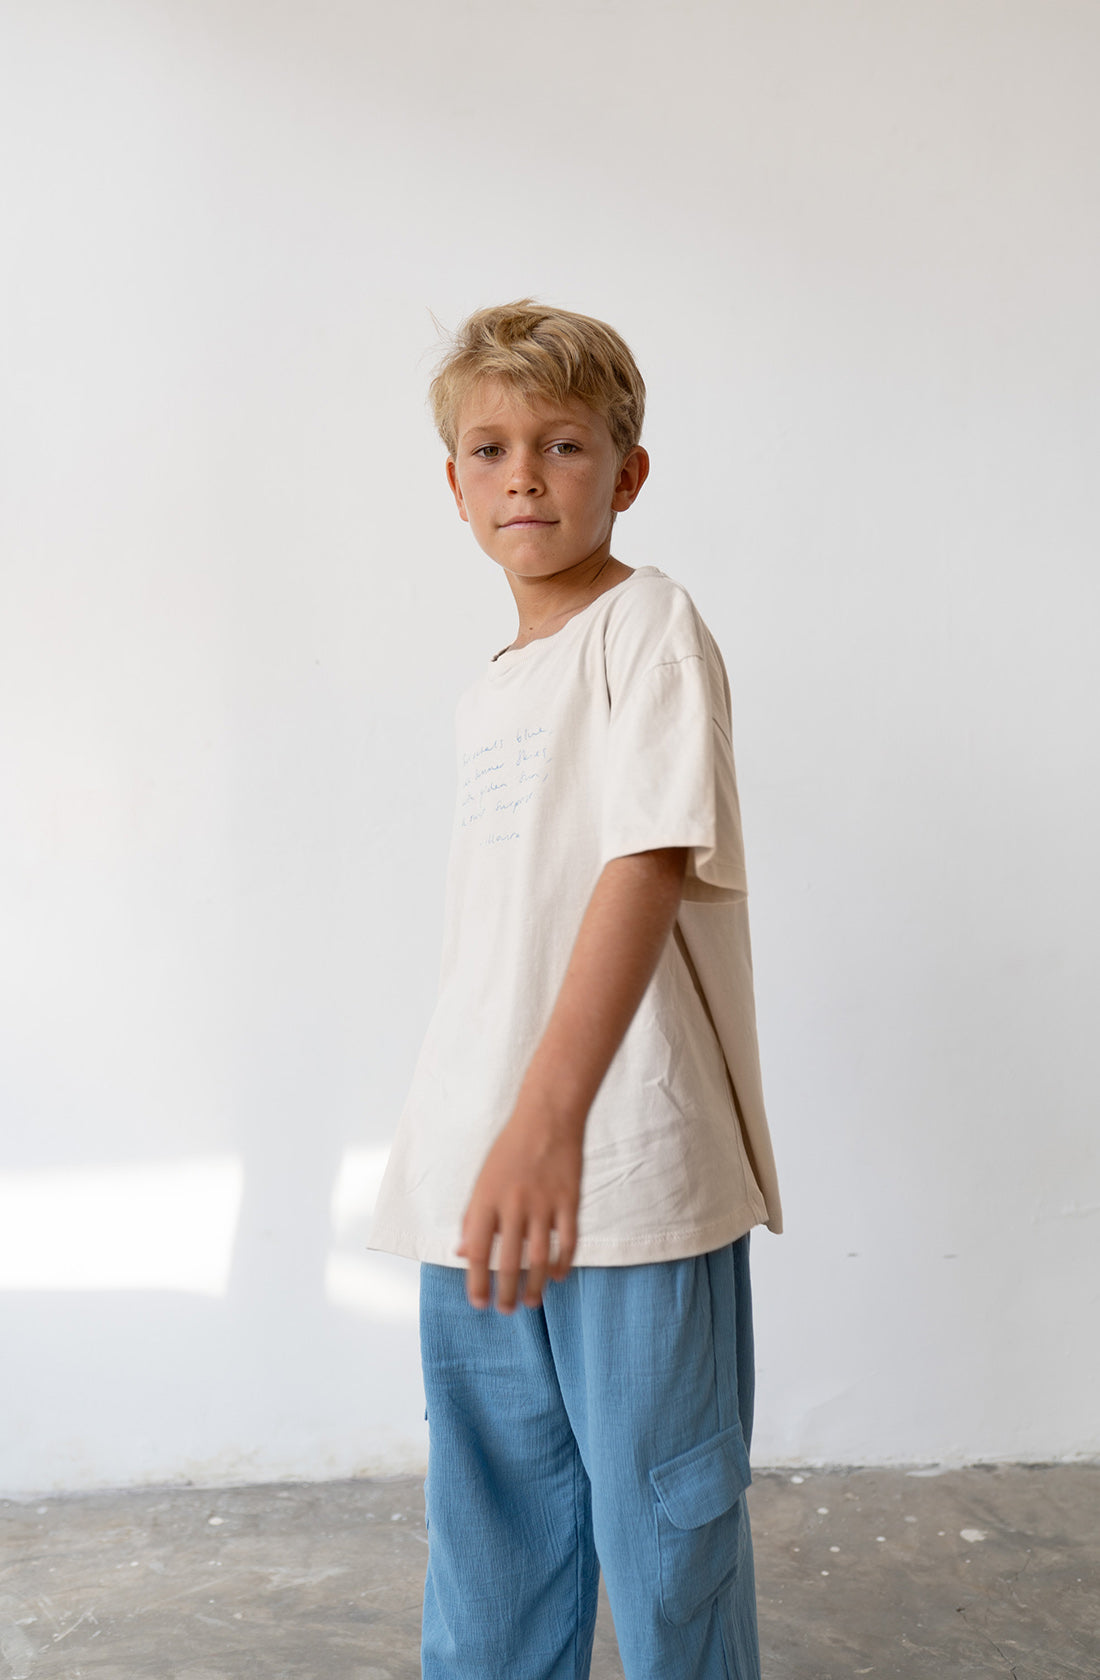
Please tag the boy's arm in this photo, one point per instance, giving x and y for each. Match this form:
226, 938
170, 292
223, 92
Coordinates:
529, 1184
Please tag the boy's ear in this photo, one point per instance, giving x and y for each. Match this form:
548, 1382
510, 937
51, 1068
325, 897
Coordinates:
456, 489
632, 475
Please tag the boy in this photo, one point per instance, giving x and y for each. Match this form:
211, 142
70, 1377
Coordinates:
584, 1144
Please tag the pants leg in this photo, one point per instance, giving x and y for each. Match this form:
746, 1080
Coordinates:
615, 1419
512, 1579
655, 1365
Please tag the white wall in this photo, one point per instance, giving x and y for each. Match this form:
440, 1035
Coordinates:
855, 248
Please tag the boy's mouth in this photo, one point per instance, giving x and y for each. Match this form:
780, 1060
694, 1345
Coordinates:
514, 522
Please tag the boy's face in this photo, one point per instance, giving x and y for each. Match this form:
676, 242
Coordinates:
539, 482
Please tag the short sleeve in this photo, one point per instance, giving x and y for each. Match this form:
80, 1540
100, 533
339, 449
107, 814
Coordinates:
669, 775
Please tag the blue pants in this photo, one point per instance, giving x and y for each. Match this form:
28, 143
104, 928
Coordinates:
607, 1428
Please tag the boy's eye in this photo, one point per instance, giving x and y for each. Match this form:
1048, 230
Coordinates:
490, 451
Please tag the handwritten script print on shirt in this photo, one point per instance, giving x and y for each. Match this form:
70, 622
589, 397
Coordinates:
500, 783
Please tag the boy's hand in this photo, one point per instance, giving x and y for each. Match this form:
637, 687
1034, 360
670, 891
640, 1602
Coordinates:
528, 1188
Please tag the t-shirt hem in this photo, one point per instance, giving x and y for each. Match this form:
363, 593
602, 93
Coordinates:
678, 1243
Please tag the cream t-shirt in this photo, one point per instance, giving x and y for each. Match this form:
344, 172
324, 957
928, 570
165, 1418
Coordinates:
610, 736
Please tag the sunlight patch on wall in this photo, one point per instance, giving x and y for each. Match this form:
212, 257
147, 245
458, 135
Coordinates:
150, 1225
381, 1287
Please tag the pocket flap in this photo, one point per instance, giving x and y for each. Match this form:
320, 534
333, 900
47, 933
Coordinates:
700, 1484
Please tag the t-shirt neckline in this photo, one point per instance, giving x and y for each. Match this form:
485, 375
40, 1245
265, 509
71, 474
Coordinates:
513, 654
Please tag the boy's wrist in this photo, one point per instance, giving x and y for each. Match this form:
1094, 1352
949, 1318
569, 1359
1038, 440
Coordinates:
553, 1105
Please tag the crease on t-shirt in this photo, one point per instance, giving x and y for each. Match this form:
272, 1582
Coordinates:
678, 661
681, 946
722, 730
749, 1158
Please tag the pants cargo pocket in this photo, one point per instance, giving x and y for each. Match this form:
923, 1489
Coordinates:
702, 1525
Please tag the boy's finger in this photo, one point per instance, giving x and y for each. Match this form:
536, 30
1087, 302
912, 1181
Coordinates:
538, 1256
507, 1289
535, 1284
477, 1242
511, 1252
567, 1242
477, 1283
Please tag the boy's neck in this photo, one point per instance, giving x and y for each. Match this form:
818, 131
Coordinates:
546, 604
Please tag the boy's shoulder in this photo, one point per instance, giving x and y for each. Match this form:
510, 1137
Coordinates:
650, 590
653, 620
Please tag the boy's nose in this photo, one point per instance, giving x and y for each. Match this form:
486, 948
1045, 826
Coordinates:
525, 479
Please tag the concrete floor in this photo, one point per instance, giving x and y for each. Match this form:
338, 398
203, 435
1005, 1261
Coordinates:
980, 1572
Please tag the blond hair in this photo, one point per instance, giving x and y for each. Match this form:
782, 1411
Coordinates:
538, 351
